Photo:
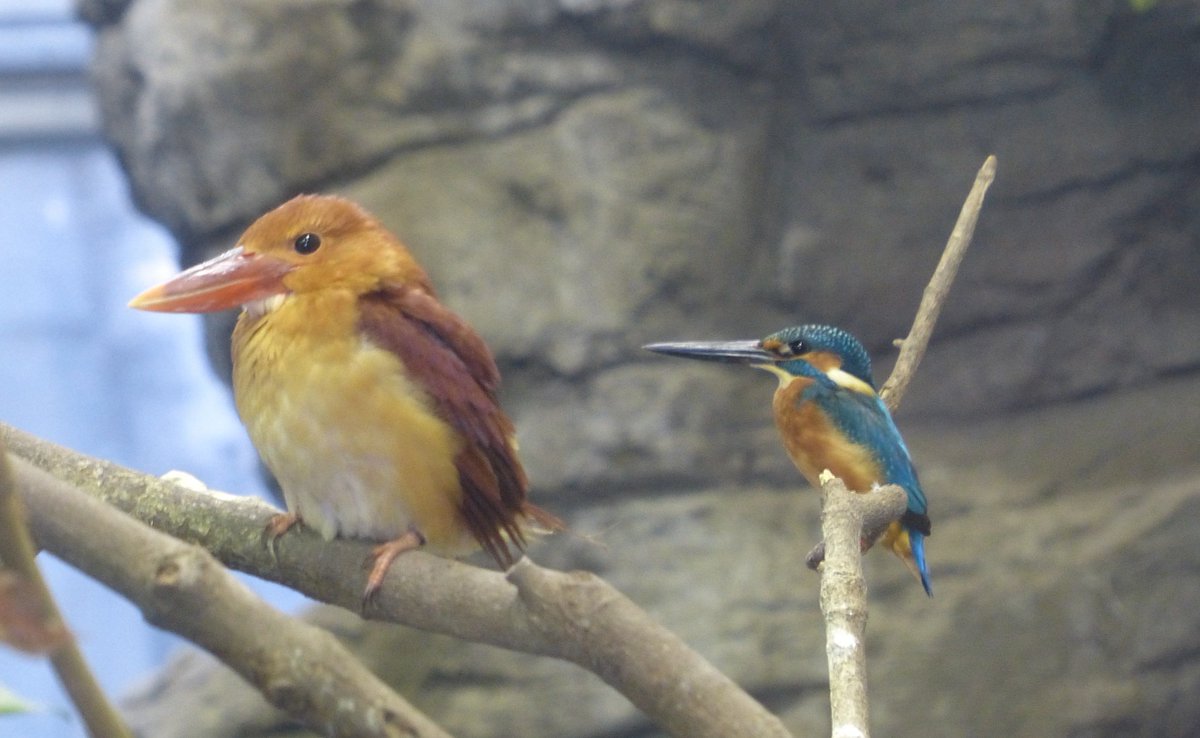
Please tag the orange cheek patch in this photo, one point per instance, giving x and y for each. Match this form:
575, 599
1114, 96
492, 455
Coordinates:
823, 360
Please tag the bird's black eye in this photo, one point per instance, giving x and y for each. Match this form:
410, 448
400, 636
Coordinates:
307, 243
797, 347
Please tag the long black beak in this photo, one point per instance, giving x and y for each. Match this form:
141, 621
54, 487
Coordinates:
729, 352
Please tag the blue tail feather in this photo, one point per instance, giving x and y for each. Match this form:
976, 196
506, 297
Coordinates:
916, 541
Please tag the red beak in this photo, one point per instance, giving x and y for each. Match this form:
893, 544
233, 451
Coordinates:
234, 278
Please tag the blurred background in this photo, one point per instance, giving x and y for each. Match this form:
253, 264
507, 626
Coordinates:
77, 366
582, 177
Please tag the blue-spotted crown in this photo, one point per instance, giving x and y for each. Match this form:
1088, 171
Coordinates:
834, 340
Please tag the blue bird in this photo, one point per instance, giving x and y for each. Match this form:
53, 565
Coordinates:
830, 417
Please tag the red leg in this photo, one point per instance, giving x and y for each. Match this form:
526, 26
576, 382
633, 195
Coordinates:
382, 557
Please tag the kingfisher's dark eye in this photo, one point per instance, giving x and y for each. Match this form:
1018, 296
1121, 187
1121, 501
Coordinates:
797, 347
307, 243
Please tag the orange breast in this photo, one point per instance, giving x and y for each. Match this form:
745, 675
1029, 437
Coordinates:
815, 444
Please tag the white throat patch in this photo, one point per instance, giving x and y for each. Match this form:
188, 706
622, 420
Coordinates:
847, 380
841, 378
259, 308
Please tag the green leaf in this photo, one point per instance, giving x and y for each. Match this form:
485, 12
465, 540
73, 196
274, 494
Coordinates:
12, 704
1141, 6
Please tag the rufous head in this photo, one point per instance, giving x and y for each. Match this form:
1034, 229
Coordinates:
309, 243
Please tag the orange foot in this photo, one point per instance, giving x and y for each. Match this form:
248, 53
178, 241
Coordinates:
381, 559
277, 526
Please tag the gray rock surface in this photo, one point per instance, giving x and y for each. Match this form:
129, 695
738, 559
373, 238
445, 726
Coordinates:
584, 176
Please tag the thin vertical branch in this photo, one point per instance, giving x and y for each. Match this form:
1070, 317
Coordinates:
844, 596
17, 552
912, 348
843, 589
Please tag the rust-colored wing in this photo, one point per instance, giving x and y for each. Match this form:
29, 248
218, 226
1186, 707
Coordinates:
445, 356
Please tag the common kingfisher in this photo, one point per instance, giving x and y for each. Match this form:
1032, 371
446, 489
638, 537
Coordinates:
830, 416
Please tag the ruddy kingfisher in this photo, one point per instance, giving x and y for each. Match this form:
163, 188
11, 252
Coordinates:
830, 417
369, 400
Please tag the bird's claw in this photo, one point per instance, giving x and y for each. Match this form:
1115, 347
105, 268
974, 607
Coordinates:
816, 556
278, 525
381, 559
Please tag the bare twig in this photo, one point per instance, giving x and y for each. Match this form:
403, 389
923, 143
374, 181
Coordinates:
17, 553
617, 641
299, 668
912, 348
848, 518
844, 597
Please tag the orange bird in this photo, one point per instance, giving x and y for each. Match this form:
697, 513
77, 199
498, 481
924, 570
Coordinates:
370, 401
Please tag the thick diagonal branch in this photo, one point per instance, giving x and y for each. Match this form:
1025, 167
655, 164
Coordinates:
299, 668
676, 688
599, 628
